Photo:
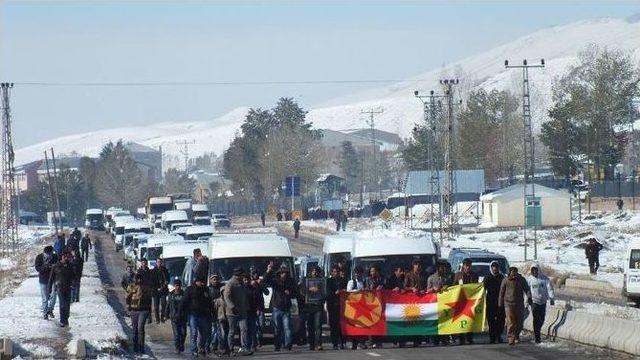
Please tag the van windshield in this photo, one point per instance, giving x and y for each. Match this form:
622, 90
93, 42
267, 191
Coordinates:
175, 266
151, 253
197, 236
202, 221
94, 217
160, 208
634, 259
142, 230
119, 230
504, 265
388, 263
224, 267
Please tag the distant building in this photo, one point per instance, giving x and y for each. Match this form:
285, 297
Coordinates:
148, 159
330, 191
387, 141
505, 207
469, 186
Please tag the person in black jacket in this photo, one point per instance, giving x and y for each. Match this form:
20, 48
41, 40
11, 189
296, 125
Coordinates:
160, 290
335, 284
43, 264
284, 289
74, 240
85, 246
314, 289
215, 339
62, 277
128, 277
255, 302
592, 253
296, 228
495, 314
197, 303
177, 316
78, 266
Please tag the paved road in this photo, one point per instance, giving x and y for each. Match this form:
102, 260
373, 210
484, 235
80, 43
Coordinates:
159, 336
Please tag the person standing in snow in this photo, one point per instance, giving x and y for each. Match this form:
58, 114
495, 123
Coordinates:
592, 252
495, 314
343, 220
74, 240
62, 277
296, 228
139, 304
78, 265
263, 218
465, 276
511, 298
541, 292
44, 264
85, 246
160, 290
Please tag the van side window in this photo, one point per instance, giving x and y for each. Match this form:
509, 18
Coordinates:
634, 259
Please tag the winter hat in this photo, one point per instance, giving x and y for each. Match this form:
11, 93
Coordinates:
238, 271
495, 263
534, 265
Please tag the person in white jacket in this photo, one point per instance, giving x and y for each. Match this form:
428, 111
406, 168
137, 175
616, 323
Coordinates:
541, 292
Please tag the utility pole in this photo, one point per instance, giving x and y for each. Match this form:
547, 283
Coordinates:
450, 189
185, 152
49, 181
432, 106
55, 187
372, 126
529, 195
633, 102
9, 221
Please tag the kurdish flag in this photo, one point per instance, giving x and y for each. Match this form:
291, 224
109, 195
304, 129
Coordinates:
460, 309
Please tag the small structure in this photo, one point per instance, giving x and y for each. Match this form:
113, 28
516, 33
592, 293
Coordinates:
469, 186
505, 207
330, 191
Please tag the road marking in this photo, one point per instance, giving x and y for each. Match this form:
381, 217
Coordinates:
373, 354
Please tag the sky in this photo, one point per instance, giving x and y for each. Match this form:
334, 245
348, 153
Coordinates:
83, 66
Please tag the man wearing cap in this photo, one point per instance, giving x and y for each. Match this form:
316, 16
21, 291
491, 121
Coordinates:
235, 300
284, 289
541, 292
511, 298
177, 316
495, 314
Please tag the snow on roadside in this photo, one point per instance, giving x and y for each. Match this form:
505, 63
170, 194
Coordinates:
93, 319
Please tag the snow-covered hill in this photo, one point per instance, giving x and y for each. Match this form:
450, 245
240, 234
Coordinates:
558, 45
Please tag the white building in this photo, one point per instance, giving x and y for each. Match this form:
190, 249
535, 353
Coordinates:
505, 207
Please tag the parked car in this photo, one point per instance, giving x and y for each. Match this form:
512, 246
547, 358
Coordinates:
221, 220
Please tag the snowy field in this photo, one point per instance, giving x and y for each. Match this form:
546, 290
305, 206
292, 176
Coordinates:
92, 319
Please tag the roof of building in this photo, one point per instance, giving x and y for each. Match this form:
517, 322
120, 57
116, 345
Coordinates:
332, 138
467, 181
72, 162
135, 147
325, 177
517, 191
380, 135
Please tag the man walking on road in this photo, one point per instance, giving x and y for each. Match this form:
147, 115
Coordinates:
263, 218
44, 264
495, 314
85, 246
236, 306
177, 316
139, 304
284, 289
197, 303
335, 284
160, 291
592, 252
296, 228
541, 292
315, 292
511, 298
62, 277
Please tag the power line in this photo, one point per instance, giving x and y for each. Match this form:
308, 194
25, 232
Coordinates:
210, 83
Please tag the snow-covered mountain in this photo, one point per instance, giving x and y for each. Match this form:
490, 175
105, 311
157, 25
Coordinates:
558, 45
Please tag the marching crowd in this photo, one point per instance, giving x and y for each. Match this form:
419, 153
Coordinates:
59, 270
216, 312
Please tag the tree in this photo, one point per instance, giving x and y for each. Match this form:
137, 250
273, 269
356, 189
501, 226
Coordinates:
37, 199
488, 132
593, 96
206, 162
350, 166
119, 181
178, 182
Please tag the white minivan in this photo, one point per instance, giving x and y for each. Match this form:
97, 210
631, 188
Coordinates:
177, 254
337, 249
252, 251
172, 217
631, 285
152, 249
199, 231
392, 251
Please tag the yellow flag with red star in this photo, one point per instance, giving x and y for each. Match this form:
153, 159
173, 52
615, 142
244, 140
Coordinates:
461, 309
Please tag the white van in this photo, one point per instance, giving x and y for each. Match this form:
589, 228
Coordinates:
196, 232
200, 210
392, 251
119, 223
94, 219
256, 250
153, 248
337, 248
172, 217
131, 228
631, 285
